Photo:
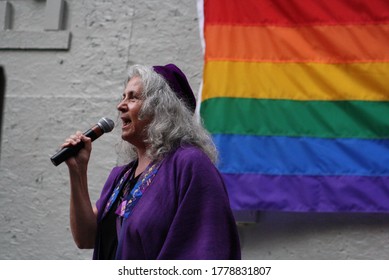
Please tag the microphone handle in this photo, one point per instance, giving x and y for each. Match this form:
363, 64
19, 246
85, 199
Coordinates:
70, 151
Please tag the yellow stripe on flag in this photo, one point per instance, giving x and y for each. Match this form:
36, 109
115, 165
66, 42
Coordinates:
296, 81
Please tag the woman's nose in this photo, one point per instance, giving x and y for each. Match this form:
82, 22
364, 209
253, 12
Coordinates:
122, 106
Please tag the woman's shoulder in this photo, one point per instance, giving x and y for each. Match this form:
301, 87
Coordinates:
189, 153
118, 171
188, 158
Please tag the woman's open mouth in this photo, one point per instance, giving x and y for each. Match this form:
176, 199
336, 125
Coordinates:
126, 122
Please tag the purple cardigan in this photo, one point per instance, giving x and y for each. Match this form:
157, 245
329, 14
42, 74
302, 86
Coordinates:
183, 214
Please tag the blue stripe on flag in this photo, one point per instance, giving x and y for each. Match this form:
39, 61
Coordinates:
302, 155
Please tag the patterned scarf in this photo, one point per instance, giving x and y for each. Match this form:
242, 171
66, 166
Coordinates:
131, 199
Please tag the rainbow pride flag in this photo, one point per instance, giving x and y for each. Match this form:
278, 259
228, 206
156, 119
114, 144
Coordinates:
296, 96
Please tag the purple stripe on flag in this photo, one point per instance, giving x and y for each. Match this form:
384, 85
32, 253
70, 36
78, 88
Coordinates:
308, 193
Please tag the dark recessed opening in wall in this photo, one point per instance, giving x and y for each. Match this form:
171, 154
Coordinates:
2, 97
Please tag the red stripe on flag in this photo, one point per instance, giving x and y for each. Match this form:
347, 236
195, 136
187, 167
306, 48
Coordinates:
296, 12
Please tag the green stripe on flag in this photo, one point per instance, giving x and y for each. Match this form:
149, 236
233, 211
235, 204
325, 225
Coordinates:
326, 119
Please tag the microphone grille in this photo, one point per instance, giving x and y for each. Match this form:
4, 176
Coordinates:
106, 124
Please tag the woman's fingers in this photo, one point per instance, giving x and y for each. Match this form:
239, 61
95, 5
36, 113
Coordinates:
73, 140
81, 158
87, 141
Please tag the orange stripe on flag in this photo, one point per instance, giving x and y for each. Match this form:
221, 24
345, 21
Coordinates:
324, 44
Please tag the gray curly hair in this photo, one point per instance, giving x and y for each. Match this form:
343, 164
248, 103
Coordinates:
173, 123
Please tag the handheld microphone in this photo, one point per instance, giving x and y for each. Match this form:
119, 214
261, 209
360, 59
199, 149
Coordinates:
103, 126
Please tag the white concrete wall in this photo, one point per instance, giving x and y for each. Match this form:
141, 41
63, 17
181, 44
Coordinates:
50, 93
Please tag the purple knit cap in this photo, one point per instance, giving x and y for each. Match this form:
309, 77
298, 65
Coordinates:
178, 83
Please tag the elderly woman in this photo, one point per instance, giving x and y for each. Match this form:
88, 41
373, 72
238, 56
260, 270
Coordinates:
170, 201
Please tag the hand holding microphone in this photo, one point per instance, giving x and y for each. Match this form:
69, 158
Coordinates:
104, 125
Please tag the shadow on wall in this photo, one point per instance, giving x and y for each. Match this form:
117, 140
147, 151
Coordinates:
2, 94
277, 224
276, 227
308, 222
295, 235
